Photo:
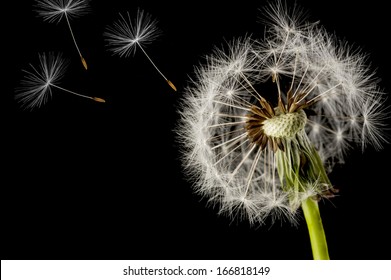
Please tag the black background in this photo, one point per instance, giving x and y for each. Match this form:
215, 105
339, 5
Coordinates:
86, 180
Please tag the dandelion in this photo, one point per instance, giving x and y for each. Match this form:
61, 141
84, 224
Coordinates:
55, 10
36, 86
265, 121
125, 35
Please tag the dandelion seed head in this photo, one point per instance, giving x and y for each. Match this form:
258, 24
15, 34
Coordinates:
256, 151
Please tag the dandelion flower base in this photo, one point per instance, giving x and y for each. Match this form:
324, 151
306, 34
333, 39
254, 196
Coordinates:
285, 125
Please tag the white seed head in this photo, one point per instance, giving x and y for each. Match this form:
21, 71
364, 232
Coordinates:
245, 146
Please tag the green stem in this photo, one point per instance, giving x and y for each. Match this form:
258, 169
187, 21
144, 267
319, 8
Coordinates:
315, 228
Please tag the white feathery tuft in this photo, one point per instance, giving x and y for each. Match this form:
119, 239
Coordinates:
55, 10
35, 88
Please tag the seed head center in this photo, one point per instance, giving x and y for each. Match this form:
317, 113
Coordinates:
285, 125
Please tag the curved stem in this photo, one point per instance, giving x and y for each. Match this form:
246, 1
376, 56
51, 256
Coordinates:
315, 228
154, 65
98, 99
83, 61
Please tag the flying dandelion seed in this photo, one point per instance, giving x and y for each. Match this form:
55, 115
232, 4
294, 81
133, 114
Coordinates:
36, 86
265, 121
55, 10
125, 35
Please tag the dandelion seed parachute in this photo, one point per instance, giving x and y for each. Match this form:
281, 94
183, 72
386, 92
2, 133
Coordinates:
55, 10
126, 35
38, 82
260, 153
